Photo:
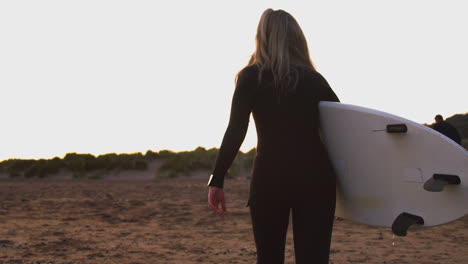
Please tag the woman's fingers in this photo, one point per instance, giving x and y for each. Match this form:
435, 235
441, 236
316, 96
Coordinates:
223, 204
214, 206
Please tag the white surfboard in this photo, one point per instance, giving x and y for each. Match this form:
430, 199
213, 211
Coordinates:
391, 177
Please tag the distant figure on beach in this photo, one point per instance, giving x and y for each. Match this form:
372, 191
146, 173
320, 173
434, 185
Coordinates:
291, 170
447, 129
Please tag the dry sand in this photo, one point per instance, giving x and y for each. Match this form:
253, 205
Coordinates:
168, 221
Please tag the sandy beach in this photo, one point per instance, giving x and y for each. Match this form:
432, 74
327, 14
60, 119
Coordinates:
168, 221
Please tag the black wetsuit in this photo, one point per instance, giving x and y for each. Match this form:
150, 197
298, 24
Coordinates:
291, 170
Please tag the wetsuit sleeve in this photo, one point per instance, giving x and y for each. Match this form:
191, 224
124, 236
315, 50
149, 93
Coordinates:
241, 107
326, 93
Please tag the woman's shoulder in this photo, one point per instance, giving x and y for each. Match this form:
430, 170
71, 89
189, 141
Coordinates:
252, 69
248, 74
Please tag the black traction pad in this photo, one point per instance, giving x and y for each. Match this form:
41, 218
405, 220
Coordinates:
438, 181
397, 128
404, 221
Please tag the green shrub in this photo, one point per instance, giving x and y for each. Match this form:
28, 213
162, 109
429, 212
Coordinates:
186, 162
126, 164
75, 165
80, 163
166, 153
460, 121
140, 165
88, 163
77, 156
464, 143
183, 163
15, 167
108, 161
151, 155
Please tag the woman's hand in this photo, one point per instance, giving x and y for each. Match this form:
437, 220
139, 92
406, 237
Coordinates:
216, 197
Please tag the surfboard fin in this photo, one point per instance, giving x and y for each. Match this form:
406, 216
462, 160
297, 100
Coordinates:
397, 128
438, 182
404, 221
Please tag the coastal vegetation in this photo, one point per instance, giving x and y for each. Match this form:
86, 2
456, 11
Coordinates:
173, 164
460, 121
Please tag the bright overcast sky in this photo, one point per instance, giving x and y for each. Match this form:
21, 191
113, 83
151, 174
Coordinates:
126, 76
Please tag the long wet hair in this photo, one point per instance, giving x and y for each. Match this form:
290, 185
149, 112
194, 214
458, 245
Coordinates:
280, 42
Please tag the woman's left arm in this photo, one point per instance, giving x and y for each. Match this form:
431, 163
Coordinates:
241, 108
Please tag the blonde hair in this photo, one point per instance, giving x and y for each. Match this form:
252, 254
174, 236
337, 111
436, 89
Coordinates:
280, 42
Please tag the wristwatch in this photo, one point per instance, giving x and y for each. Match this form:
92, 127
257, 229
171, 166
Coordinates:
216, 181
